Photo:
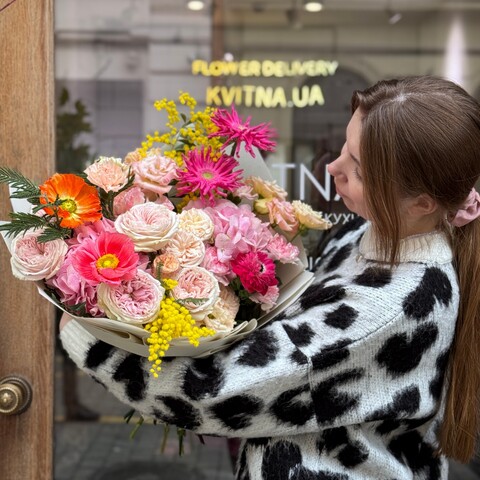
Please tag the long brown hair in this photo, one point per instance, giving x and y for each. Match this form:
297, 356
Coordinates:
421, 135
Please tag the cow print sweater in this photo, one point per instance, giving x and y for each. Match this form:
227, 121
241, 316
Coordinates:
346, 384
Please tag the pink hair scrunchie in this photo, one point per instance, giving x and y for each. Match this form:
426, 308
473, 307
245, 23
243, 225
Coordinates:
470, 210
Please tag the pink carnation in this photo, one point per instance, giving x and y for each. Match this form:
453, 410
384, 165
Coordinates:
279, 249
125, 200
110, 258
90, 231
73, 289
108, 173
256, 271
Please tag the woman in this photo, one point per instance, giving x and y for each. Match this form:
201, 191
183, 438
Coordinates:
348, 383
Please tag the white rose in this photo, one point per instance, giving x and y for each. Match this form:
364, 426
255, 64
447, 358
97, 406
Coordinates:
187, 248
197, 222
222, 318
35, 261
149, 225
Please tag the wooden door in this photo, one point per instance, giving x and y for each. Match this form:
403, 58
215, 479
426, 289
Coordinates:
27, 144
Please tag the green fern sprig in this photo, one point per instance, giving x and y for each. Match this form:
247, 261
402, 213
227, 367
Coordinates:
23, 187
22, 222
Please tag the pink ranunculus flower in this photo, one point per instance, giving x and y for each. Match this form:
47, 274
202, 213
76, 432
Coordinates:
35, 261
155, 173
134, 301
282, 215
221, 270
245, 192
268, 300
281, 250
222, 318
125, 200
108, 173
197, 283
110, 258
256, 271
187, 248
73, 289
149, 225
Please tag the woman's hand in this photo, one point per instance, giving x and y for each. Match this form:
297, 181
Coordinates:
64, 320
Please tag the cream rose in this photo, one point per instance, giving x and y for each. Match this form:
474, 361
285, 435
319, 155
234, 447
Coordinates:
222, 318
196, 283
188, 249
308, 217
134, 301
165, 265
34, 261
198, 222
149, 225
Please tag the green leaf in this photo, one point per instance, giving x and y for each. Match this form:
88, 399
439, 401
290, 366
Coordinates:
24, 187
52, 233
21, 222
137, 426
195, 301
128, 416
184, 117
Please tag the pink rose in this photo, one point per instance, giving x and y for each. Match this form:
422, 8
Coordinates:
34, 261
154, 173
73, 289
149, 225
281, 250
197, 283
108, 173
125, 200
282, 214
133, 301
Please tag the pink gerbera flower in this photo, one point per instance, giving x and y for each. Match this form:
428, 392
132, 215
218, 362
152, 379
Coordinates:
256, 271
207, 177
110, 258
230, 125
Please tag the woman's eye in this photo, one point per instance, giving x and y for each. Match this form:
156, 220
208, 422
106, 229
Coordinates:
357, 173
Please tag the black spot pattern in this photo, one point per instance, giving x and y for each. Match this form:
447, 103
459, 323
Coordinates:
409, 449
203, 378
289, 408
434, 285
375, 277
301, 336
351, 226
258, 442
183, 414
260, 348
318, 295
339, 257
237, 412
400, 355
242, 468
97, 354
299, 358
351, 454
131, 371
342, 317
331, 355
329, 402
437, 383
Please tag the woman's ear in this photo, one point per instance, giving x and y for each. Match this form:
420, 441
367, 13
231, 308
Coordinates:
421, 205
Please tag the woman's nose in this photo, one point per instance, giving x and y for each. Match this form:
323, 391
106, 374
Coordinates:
332, 168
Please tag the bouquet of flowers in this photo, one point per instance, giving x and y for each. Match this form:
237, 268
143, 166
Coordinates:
178, 249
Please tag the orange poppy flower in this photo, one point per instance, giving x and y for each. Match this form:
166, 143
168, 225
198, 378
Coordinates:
80, 202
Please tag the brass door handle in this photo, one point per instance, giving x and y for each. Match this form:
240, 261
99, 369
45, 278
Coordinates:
15, 395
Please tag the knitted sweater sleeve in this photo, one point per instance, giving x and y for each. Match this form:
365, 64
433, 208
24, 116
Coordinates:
347, 352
